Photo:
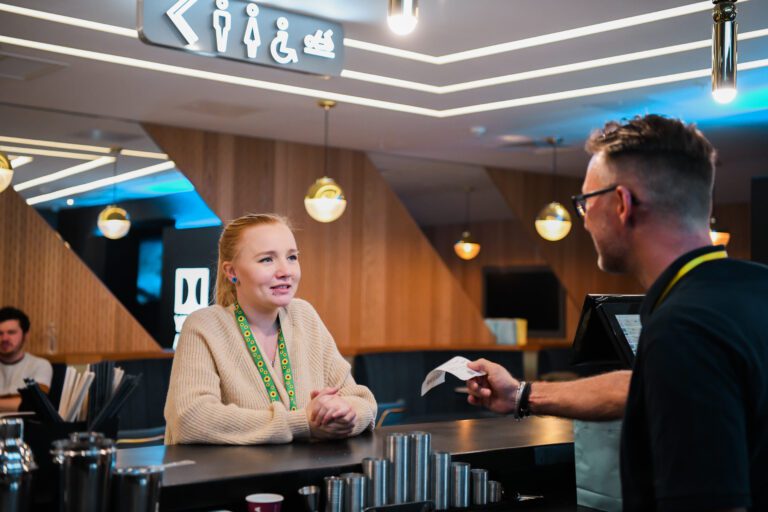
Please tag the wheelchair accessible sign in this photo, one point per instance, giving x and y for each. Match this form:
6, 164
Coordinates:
246, 32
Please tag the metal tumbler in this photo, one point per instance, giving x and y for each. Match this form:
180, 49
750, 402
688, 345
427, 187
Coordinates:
354, 491
420, 447
459, 484
399, 459
440, 480
479, 486
334, 494
495, 491
310, 495
16, 467
377, 471
136, 489
85, 462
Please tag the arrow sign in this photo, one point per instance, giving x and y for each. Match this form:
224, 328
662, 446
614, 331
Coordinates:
176, 14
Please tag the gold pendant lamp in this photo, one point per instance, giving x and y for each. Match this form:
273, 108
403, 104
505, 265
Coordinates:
114, 222
553, 222
466, 247
325, 201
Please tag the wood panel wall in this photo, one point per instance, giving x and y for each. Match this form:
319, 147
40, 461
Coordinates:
503, 244
736, 219
62, 297
573, 259
372, 275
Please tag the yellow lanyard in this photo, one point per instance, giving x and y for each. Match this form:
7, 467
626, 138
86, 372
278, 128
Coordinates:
695, 262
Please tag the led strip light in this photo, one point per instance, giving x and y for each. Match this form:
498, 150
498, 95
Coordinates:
469, 54
64, 173
368, 102
46, 152
542, 72
94, 185
80, 147
475, 53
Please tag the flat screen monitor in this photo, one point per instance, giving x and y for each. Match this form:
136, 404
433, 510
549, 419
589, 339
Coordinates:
608, 332
533, 293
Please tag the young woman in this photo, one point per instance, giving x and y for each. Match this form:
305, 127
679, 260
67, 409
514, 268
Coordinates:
260, 366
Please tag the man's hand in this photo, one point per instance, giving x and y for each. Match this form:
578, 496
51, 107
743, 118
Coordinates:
496, 390
329, 415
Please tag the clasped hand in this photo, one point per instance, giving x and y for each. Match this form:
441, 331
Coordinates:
329, 415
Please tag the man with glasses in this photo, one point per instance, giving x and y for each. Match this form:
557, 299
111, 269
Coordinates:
695, 406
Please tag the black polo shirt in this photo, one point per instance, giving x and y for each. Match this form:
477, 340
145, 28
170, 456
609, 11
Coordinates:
695, 433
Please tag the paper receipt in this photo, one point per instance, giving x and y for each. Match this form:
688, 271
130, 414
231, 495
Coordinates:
456, 366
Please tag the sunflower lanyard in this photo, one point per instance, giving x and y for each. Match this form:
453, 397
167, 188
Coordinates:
285, 363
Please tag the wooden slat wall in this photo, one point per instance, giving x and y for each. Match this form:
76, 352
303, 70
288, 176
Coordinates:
372, 275
41, 276
735, 218
503, 244
573, 259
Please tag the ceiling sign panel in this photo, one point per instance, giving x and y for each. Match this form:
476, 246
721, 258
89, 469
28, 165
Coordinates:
244, 31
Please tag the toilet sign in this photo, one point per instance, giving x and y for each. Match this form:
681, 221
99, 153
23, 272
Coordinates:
244, 31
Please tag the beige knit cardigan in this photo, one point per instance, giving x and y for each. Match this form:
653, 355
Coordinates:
217, 396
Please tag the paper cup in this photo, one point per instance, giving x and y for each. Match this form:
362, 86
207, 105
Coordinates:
264, 502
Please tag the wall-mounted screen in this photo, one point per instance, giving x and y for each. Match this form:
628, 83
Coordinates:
533, 293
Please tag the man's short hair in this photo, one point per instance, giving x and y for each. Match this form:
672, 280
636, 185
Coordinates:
11, 313
672, 162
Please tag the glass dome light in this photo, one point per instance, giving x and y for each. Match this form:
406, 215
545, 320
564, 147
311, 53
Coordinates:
719, 237
466, 247
114, 222
325, 201
403, 16
6, 171
553, 222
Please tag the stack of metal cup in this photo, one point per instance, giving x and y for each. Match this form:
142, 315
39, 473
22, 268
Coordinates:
398, 454
334, 494
136, 489
479, 486
355, 488
377, 472
459, 485
16, 467
440, 482
408, 472
420, 448
85, 463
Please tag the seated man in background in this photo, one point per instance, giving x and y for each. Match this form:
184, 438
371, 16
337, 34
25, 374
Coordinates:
15, 364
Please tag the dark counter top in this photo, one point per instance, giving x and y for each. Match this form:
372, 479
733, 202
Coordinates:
232, 469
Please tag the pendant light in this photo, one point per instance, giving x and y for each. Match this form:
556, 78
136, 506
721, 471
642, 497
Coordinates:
6, 171
325, 201
466, 247
724, 32
403, 16
114, 222
553, 222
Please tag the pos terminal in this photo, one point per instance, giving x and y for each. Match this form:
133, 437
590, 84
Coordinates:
606, 340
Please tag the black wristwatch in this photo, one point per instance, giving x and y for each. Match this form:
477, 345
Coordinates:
522, 406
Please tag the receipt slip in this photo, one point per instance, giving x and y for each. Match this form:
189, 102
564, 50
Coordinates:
456, 366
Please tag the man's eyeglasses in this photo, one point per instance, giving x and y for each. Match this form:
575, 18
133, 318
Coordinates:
580, 200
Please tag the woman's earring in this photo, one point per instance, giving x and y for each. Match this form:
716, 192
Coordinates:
234, 280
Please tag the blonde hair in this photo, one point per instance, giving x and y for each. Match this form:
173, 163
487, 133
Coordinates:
229, 242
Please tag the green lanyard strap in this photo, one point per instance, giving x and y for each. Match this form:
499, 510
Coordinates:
285, 362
